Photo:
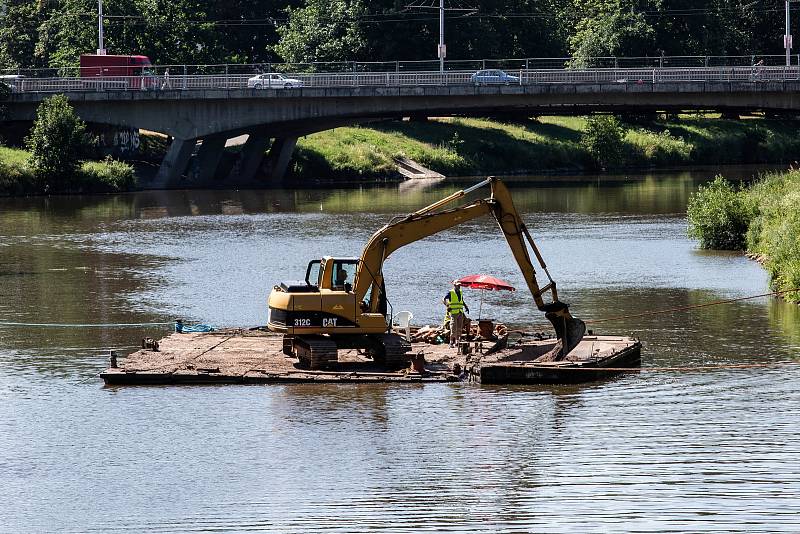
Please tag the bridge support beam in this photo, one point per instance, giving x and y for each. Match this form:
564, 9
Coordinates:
208, 158
251, 158
280, 154
174, 164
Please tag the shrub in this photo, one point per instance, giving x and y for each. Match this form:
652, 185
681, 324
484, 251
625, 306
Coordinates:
107, 176
58, 140
603, 139
719, 216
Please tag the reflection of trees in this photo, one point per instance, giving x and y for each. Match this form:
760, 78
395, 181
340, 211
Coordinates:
785, 317
635, 194
56, 284
736, 332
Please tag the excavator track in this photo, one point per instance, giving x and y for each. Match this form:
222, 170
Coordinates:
315, 352
394, 353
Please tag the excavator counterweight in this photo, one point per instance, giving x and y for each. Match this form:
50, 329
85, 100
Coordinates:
342, 303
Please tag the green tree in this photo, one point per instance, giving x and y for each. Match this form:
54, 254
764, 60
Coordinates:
323, 30
57, 141
69, 32
611, 28
719, 216
717, 27
19, 27
603, 139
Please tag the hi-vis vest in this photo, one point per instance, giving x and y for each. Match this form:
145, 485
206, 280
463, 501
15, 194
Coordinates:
456, 304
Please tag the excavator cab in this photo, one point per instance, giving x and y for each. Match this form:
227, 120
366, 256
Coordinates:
322, 314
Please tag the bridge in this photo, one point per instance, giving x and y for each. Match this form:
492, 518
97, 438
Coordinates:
202, 112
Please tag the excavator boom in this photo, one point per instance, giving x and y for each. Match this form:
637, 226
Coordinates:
431, 220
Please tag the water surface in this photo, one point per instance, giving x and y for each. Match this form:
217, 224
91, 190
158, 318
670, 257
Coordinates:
655, 452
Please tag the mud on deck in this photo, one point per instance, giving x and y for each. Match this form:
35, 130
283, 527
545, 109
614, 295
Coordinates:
241, 356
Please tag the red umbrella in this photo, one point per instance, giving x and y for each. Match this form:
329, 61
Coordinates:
484, 282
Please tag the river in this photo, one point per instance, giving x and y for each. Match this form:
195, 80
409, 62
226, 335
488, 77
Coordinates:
652, 452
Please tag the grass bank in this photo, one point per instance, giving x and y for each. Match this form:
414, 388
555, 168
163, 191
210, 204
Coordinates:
463, 146
106, 176
763, 219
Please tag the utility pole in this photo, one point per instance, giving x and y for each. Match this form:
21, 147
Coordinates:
101, 51
423, 5
442, 46
787, 37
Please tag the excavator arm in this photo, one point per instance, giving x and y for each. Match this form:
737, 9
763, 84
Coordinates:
431, 220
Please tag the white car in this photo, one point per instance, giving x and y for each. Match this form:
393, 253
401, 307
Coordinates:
273, 81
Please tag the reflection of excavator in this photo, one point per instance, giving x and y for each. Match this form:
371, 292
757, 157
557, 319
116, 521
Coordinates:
342, 302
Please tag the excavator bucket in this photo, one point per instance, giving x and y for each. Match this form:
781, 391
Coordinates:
569, 331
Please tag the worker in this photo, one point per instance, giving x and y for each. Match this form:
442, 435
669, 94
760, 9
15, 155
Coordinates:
341, 280
454, 301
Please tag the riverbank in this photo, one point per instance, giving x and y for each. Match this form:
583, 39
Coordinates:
465, 146
763, 219
17, 178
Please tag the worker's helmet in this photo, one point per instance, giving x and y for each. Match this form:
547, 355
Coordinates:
456, 282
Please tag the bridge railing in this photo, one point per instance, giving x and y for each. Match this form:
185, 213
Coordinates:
655, 75
516, 64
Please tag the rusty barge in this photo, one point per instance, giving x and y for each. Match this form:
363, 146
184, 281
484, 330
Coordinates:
238, 356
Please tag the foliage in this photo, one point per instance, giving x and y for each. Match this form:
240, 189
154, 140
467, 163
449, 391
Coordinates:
323, 30
17, 177
106, 176
603, 140
610, 28
719, 216
774, 234
57, 142
767, 213
19, 26
55, 32
648, 147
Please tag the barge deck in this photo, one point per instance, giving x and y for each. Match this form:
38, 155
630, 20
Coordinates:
238, 356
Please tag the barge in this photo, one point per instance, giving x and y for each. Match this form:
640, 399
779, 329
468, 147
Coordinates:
238, 356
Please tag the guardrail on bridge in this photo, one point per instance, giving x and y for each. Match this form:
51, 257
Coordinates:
522, 77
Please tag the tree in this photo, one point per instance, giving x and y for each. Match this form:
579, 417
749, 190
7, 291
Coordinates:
68, 33
611, 28
57, 142
603, 139
19, 26
323, 30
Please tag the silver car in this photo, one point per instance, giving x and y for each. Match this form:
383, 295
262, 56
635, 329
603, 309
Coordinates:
273, 81
492, 77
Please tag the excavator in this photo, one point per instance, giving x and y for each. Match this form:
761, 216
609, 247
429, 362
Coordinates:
342, 302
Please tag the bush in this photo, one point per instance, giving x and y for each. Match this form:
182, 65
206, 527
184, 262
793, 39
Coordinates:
603, 139
58, 141
107, 176
719, 216
774, 234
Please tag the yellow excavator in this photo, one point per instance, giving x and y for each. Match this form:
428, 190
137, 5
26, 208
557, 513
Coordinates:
342, 303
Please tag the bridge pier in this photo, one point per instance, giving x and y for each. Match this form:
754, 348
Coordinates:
174, 164
278, 158
208, 158
251, 158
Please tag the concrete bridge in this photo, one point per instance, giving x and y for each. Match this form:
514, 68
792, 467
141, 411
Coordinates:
212, 109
